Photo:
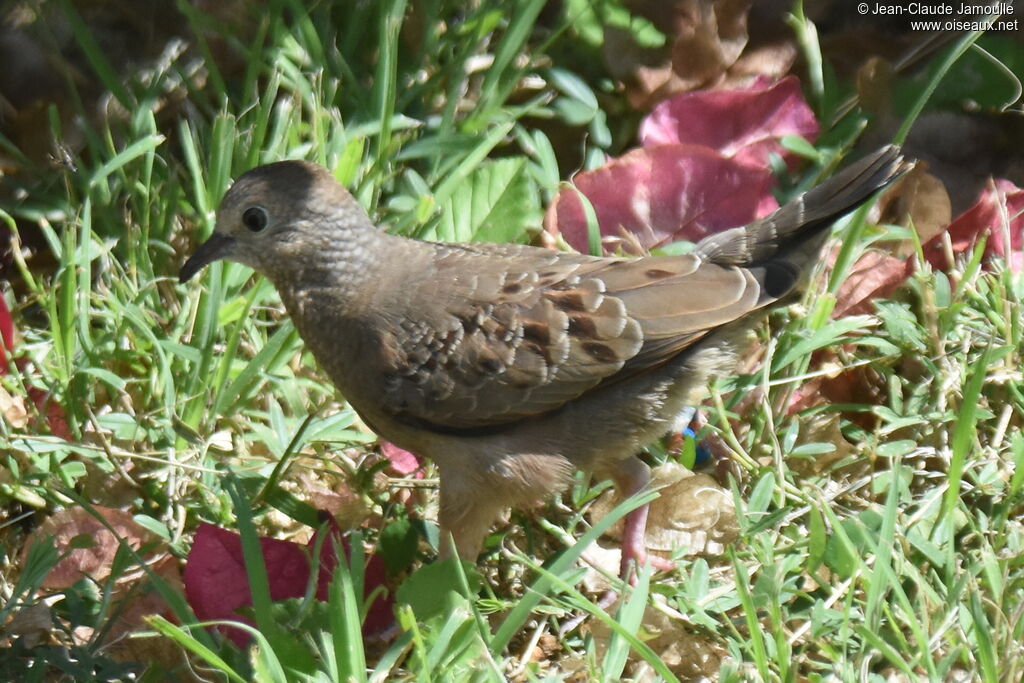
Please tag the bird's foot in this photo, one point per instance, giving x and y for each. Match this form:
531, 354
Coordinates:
637, 559
634, 548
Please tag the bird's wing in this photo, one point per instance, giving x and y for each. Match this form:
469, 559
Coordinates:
512, 332
509, 332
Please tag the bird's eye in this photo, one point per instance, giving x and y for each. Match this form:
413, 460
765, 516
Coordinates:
255, 218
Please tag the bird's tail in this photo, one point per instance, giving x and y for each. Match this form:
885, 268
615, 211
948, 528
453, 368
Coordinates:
786, 242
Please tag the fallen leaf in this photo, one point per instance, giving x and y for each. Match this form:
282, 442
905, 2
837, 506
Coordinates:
217, 584
774, 60
709, 38
52, 411
874, 82
12, 407
923, 198
660, 195
692, 513
821, 428
32, 624
13, 410
861, 385
143, 601
746, 124
6, 335
999, 215
875, 275
335, 497
704, 39
684, 651
89, 546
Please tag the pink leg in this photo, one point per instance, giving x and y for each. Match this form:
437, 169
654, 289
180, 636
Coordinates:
632, 476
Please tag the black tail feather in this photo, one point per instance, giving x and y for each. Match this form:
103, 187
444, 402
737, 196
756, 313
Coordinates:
807, 216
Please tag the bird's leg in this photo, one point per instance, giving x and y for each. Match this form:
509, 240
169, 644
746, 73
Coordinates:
631, 476
466, 515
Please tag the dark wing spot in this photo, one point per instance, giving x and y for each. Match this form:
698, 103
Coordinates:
567, 301
511, 288
449, 340
469, 321
600, 352
582, 327
490, 365
541, 350
779, 278
658, 273
498, 330
537, 332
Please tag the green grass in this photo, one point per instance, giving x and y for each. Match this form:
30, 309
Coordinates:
902, 555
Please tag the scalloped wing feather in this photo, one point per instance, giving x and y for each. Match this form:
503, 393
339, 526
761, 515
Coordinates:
520, 331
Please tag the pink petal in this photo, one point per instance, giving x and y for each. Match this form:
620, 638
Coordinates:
663, 194
746, 124
402, 461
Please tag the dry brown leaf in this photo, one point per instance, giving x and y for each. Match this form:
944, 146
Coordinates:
94, 561
143, 601
688, 655
337, 498
32, 624
13, 409
921, 196
710, 38
706, 37
875, 275
821, 428
134, 596
874, 85
692, 512
773, 60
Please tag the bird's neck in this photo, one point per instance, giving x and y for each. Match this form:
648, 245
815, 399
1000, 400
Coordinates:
339, 301
334, 273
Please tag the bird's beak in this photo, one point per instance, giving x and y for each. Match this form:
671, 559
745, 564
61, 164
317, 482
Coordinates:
217, 247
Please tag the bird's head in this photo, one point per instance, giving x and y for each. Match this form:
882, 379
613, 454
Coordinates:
278, 216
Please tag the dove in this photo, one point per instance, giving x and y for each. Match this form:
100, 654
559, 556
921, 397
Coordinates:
512, 366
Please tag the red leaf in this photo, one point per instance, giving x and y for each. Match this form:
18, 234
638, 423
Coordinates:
56, 420
743, 124
999, 213
53, 411
6, 334
662, 194
217, 585
874, 275
861, 385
